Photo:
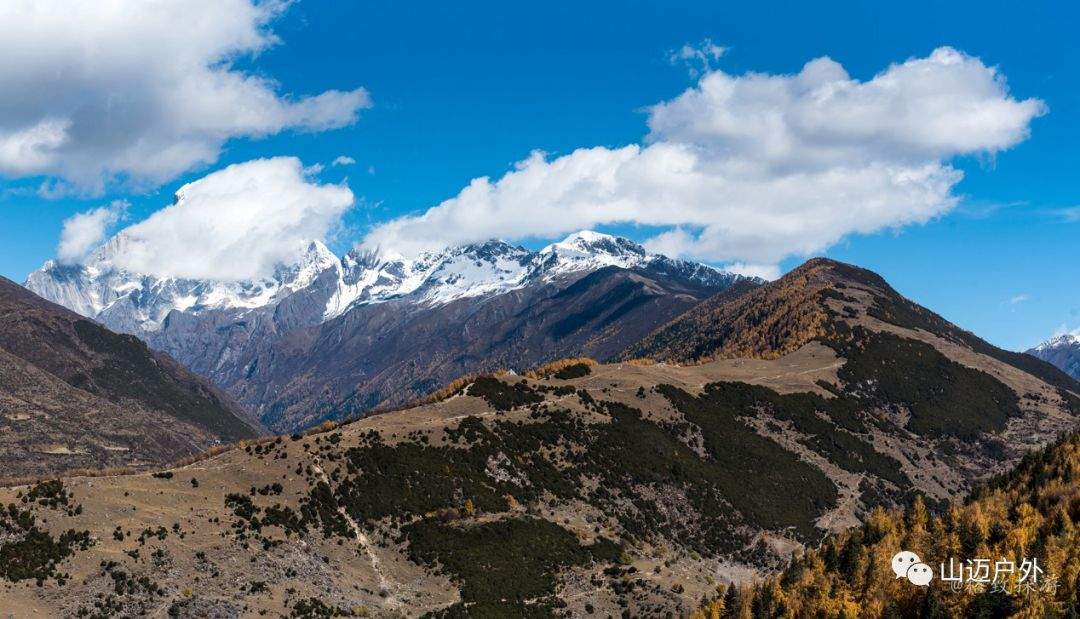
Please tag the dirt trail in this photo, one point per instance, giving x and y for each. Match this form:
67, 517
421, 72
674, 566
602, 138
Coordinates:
385, 584
824, 368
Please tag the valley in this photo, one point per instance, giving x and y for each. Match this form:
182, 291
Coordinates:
578, 488
525, 310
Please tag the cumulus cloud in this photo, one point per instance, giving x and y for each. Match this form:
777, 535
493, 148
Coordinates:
237, 223
753, 168
140, 92
83, 232
343, 160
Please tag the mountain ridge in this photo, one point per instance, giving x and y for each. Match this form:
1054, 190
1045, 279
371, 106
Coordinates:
1063, 351
817, 284
80, 396
329, 337
98, 288
368, 358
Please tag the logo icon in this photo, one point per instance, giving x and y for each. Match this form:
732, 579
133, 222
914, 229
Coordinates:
920, 574
907, 564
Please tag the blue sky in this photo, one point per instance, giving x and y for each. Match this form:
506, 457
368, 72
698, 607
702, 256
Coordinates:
465, 91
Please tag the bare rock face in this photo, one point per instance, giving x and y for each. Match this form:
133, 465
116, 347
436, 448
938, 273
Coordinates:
76, 395
326, 338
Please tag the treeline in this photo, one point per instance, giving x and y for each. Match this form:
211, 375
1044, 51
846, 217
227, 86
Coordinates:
1028, 518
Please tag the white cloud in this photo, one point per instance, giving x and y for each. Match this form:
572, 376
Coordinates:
755, 167
1020, 298
698, 58
83, 232
237, 223
1064, 330
140, 92
23, 150
1070, 214
764, 271
343, 160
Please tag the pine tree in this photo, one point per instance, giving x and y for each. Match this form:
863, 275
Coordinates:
731, 602
1029, 513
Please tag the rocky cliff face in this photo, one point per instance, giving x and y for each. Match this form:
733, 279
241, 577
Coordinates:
329, 337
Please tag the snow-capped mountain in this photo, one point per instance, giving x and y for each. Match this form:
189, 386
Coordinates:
134, 302
1063, 351
138, 303
328, 336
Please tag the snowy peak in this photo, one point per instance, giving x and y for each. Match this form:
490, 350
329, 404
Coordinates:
474, 270
1063, 351
103, 257
489, 251
1065, 340
494, 266
588, 242
315, 259
136, 302
587, 250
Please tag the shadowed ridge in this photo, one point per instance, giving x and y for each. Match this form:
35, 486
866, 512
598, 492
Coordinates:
88, 397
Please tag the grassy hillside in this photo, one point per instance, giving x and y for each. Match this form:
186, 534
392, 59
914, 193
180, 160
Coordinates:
618, 488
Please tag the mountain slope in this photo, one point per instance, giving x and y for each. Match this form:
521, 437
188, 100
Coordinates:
391, 353
1030, 513
75, 395
947, 382
326, 338
510, 495
1063, 351
577, 489
810, 303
